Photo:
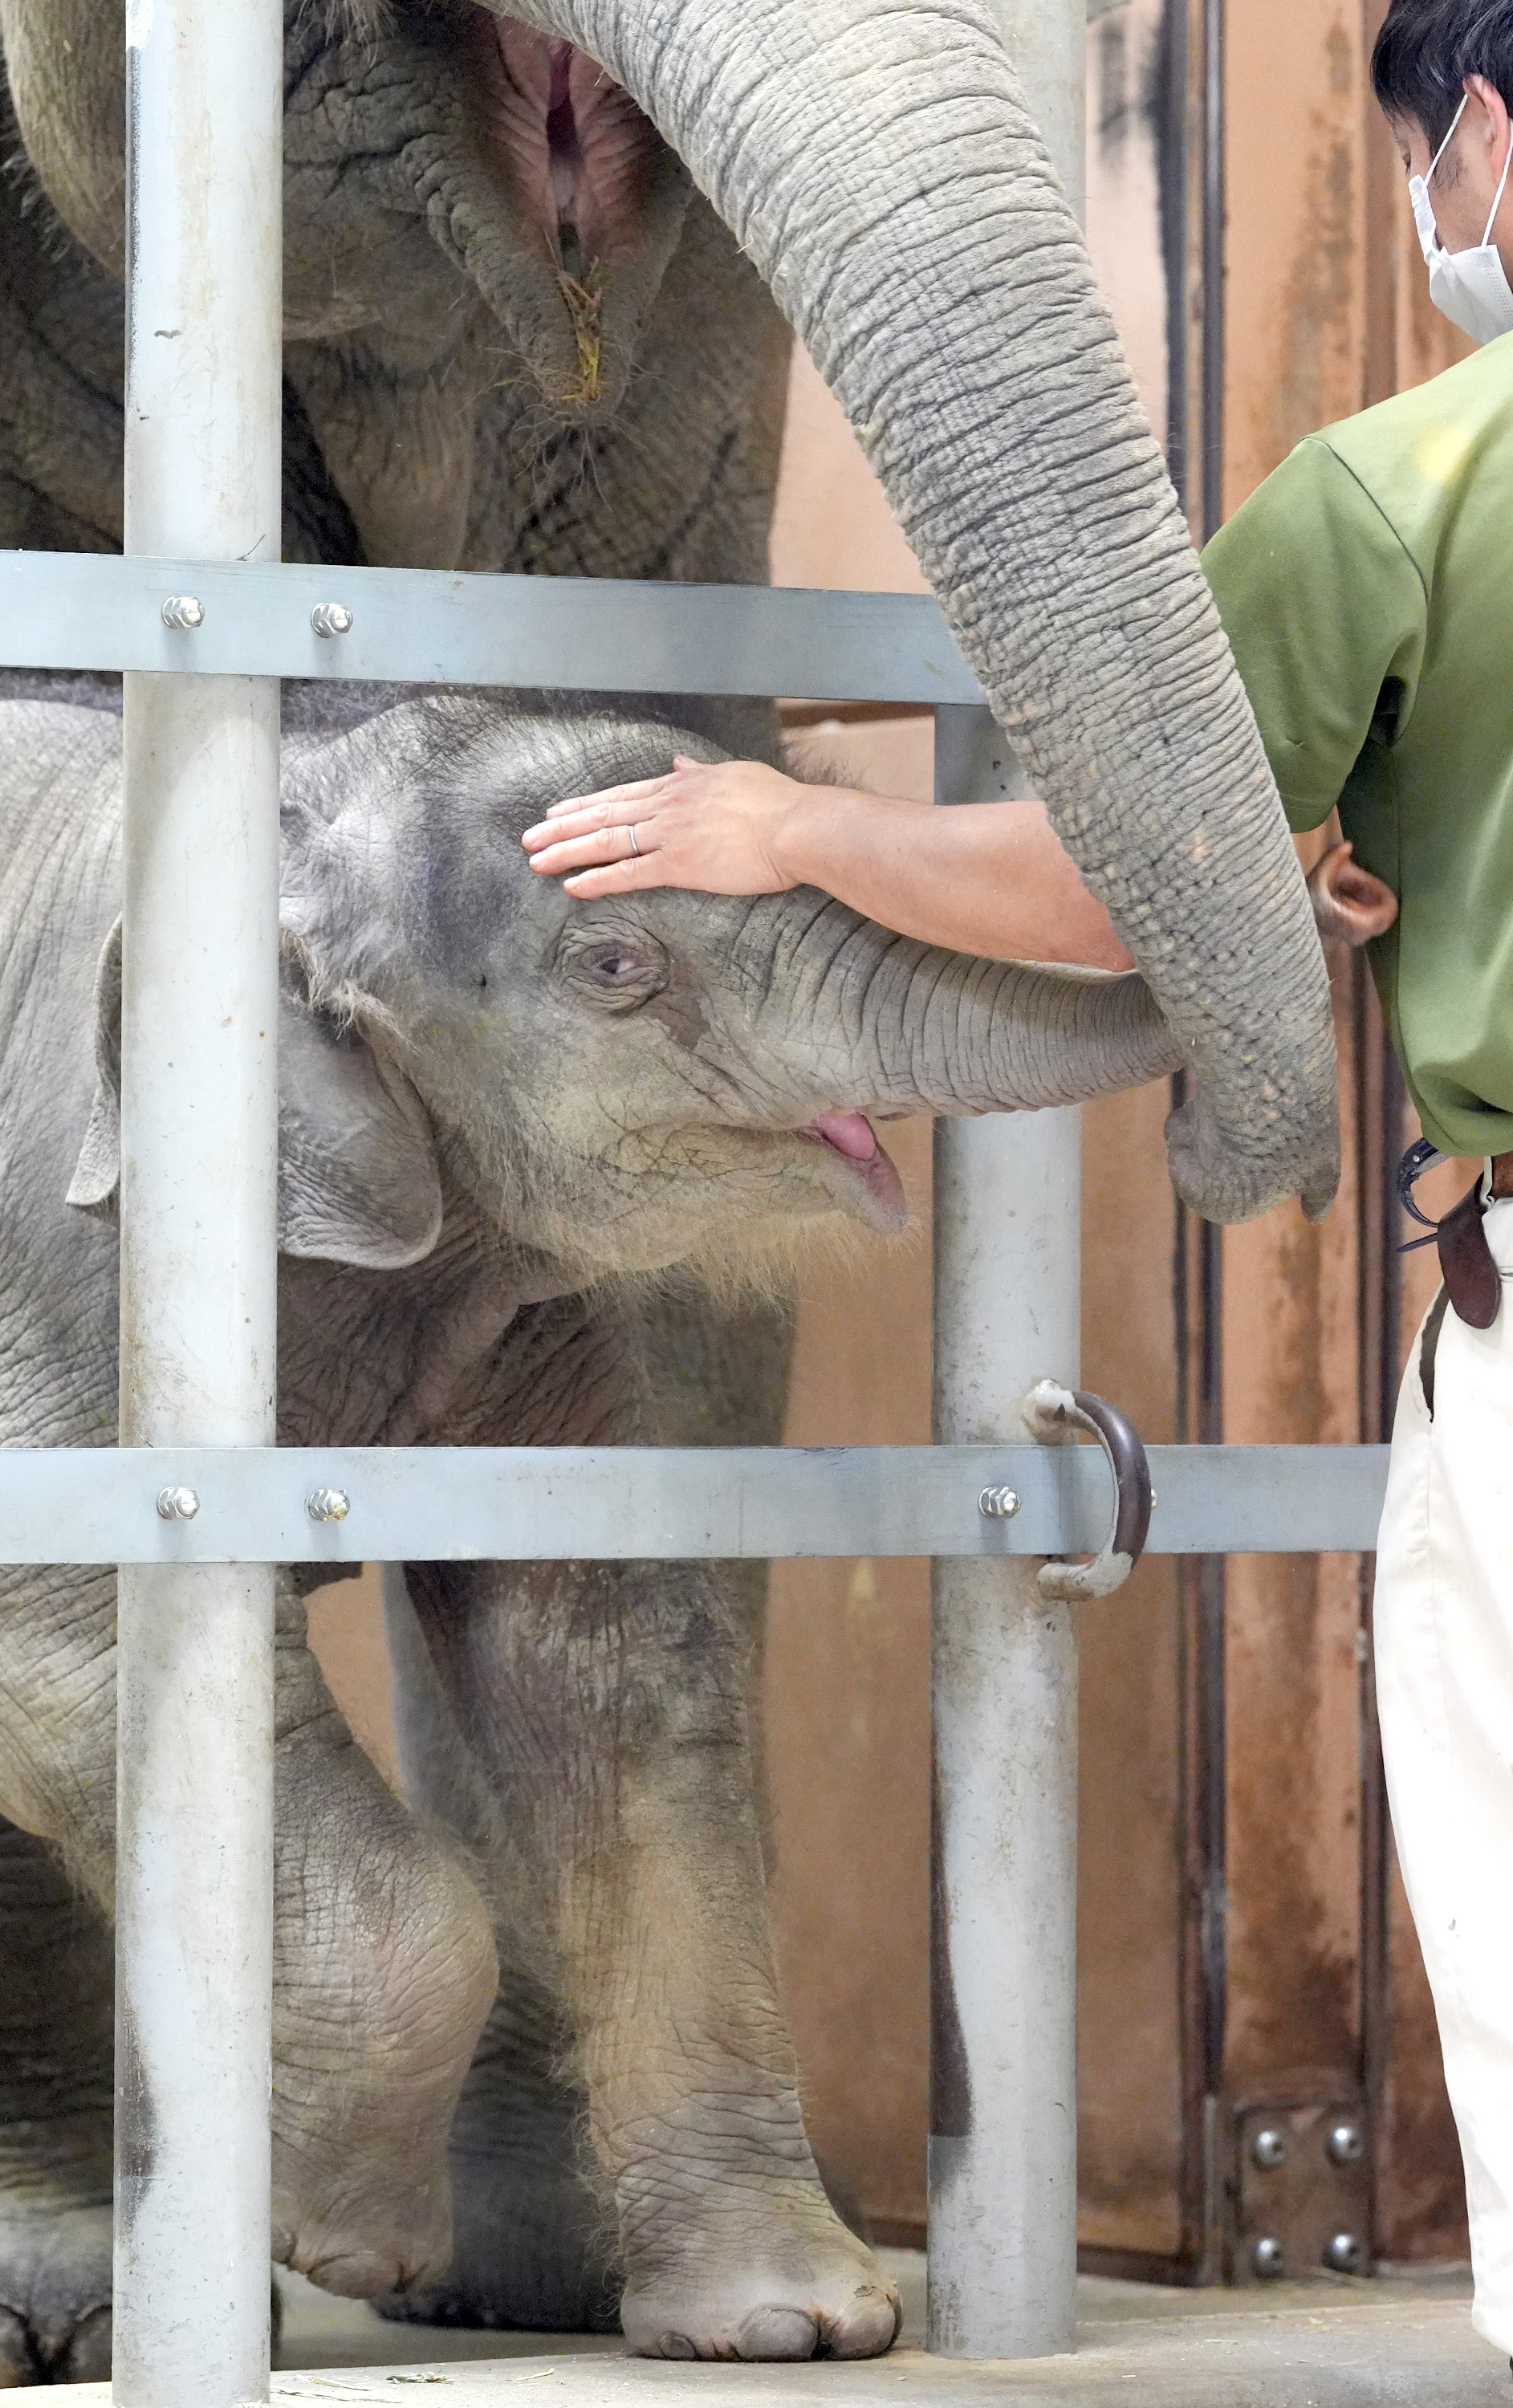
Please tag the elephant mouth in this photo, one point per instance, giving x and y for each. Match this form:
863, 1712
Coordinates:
597, 195
579, 151
852, 1137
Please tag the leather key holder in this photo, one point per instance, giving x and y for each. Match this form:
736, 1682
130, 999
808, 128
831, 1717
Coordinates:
1472, 1278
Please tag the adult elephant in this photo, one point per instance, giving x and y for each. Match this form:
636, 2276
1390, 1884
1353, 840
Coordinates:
531, 266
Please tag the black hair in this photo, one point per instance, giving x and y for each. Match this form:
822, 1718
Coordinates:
1427, 48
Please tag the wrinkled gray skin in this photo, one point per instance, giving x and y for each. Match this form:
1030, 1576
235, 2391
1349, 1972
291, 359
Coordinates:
439, 409
503, 1120
878, 169
436, 412
452, 399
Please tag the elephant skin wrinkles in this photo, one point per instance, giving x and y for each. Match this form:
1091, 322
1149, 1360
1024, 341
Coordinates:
539, 272
450, 400
465, 372
515, 338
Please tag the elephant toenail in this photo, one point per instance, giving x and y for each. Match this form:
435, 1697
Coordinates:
867, 2326
776, 2333
676, 2346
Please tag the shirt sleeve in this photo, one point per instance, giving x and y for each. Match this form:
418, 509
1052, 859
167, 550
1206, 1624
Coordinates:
1325, 611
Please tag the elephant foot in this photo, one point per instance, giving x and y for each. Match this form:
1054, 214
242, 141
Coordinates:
529, 2258
534, 2243
790, 2294
373, 2035
733, 2248
55, 2294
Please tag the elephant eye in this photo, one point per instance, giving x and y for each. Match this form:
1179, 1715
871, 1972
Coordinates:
617, 967
615, 971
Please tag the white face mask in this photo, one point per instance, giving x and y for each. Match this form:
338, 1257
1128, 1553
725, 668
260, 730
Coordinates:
1470, 288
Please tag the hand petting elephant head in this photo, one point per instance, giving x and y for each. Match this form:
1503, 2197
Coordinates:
454, 166
627, 1084
619, 1086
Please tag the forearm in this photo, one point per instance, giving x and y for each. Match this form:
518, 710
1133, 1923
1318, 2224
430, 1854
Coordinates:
979, 878
990, 877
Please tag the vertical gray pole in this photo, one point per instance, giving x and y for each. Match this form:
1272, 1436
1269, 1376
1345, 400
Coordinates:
194, 1930
1002, 2123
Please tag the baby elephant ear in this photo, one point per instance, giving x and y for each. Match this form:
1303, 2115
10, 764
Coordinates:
98, 1171
358, 1180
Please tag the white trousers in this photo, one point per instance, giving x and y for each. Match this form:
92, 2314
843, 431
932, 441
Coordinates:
1444, 1641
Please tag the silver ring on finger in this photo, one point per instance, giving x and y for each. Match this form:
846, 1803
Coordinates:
636, 849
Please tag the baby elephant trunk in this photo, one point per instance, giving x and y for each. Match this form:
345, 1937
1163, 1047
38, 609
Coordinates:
917, 1028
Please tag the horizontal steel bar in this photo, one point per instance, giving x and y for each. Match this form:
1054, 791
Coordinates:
99, 1505
88, 611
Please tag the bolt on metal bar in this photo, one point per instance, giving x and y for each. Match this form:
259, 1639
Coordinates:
198, 1278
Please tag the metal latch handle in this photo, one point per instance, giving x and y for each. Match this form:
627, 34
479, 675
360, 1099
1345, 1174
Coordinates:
1052, 1413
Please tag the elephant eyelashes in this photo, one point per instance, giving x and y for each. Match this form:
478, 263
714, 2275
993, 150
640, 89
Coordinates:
612, 973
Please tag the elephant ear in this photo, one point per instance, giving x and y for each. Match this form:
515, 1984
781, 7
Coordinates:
358, 1177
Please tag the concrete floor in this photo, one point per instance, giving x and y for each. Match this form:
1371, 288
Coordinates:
1389, 2343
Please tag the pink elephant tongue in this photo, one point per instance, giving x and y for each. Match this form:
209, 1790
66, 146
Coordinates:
851, 1134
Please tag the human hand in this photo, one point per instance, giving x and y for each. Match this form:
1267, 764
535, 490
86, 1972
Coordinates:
716, 826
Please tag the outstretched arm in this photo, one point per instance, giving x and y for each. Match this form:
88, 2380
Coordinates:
991, 878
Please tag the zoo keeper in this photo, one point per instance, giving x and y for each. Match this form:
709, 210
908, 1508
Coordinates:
1367, 591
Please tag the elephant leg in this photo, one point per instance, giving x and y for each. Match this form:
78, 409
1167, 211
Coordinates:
56, 1984
717, 1373
533, 2246
384, 1970
535, 2235
606, 1705
383, 1958
533, 2243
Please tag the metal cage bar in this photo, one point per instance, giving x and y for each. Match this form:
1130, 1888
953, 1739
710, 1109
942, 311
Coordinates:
1004, 1656
199, 1229
98, 1505
1004, 1705
68, 611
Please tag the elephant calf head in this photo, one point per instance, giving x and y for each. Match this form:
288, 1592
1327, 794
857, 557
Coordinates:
617, 1085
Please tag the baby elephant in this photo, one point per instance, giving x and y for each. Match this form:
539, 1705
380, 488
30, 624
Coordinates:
505, 1118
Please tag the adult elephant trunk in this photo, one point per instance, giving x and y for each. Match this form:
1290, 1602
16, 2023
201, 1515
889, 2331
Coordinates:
879, 1022
879, 165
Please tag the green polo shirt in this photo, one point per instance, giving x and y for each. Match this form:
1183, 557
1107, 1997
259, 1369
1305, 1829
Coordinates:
1367, 589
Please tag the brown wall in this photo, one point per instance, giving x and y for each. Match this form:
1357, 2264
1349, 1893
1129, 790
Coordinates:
1328, 311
